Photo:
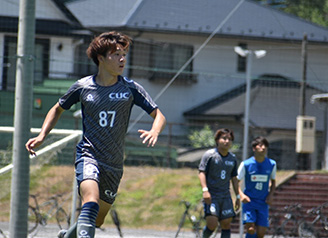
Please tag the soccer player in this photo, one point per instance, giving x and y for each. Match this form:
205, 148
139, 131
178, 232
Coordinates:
258, 172
106, 100
217, 167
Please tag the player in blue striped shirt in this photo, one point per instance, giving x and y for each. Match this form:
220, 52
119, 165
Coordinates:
259, 174
106, 102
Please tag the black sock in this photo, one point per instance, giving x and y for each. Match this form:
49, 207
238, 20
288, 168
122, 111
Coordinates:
225, 233
207, 232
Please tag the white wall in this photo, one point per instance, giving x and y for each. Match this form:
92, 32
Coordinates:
217, 64
61, 61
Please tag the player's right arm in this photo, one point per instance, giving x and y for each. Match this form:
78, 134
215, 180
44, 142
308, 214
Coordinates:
48, 124
241, 176
206, 193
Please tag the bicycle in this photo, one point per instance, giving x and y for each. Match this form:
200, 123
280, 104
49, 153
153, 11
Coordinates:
196, 219
116, 221
40, 214
307, 229
289, 226
2, 234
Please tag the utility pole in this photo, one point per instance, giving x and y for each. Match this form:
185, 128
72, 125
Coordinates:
303, 157
22, 119
303, 83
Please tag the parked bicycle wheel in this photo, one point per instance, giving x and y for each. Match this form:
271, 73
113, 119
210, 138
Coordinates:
181, 223
191, 220
32, 219
306, 230
116, 221
62, 218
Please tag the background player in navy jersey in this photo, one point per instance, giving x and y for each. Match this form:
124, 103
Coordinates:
106, 101
258, 172
217, 167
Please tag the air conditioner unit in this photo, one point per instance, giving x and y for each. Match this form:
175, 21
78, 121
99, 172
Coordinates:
305, 134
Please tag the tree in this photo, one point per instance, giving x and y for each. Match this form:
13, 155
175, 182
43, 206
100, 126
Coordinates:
315, 11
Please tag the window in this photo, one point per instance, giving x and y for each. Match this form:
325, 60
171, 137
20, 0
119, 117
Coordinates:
161, 61
83, 66
41, 67
242, 61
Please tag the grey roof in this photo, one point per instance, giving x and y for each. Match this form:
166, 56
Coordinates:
273, 105
195, 17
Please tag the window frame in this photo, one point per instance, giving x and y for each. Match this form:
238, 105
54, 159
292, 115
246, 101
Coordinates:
45, 43
149, 67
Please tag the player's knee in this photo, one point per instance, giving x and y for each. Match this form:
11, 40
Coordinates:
226, 223
251, 230
211, 222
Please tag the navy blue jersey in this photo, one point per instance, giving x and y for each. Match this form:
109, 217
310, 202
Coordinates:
218, 170
257, 177
105, 116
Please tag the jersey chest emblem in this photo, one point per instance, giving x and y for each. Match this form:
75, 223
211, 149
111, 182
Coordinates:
90, 98
119, 96
259, 178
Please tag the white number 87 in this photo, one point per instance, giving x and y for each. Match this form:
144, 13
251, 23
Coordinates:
103, 118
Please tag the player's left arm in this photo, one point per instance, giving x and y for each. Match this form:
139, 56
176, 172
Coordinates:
269, 198
235, 185
157, 127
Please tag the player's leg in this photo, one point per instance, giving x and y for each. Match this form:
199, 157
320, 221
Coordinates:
86, 223
250, 230
249, 219
262, 222
260, 231
211, 224
211, 217
87, 174
108, 186
226, 215
226, 227
104, 208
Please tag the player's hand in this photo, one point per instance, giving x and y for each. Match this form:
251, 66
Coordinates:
33, 143
207, 197
149, 136
245, 199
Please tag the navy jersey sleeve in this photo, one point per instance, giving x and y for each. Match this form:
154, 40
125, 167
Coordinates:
204, 161
71, 97
234, 172
142, 98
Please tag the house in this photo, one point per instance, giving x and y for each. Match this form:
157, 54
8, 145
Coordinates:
183, 54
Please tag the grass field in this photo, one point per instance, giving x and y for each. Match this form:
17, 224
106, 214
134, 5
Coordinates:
148, 196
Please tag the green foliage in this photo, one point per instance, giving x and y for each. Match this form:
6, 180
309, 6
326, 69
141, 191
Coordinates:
315, 11
202, 138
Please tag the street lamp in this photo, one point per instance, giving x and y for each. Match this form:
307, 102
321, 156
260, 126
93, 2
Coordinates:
249, 54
